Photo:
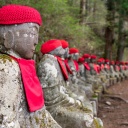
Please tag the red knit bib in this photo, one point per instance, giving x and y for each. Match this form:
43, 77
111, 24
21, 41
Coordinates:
32, 86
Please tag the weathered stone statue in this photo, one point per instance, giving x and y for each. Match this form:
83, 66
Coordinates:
95, 73
117, 70
126, 69
112, 71
122, 70
105, 71
66, 110
87, 70
21, 95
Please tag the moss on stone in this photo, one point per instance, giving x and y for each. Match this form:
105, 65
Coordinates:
4, 58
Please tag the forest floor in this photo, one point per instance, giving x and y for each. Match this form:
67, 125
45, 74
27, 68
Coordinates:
113, 107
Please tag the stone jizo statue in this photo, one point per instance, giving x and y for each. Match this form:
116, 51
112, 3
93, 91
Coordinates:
66, 110
21, 95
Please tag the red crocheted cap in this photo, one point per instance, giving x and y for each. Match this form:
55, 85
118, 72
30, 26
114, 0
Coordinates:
107, 60
73, 50
80, 60
93, 56
112, 62
86, 56
50, 45
126, 62
64, 43
18, 14
122, 62
117, 62
101, 60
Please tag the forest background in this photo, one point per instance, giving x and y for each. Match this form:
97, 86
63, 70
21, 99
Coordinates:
93, 26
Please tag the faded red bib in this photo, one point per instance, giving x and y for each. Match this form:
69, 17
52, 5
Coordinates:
76, 65
95, 68
63, 68
67, 66
86, 65
32, 86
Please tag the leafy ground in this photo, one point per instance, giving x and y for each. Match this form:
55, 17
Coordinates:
113, 108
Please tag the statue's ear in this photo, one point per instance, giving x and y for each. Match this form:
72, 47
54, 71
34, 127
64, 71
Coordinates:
9, 40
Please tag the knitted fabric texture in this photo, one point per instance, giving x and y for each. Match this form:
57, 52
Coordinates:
81, 60
86, 56
50, 45
73, 50
64, 44
93, 56
18, 14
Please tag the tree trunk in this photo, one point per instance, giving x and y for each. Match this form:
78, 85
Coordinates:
121, 37
109, 42
109, 30
120, 53
82, 11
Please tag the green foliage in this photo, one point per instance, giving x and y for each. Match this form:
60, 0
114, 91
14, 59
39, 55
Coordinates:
61, 20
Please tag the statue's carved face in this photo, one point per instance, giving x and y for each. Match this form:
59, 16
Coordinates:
87, 60
66, 55
25, 41
75, 56
21, 39
59, 51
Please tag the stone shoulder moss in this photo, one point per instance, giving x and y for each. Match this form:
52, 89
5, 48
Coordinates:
4, 58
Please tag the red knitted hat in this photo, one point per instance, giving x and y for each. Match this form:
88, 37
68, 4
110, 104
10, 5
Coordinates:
101, 60
18, 14
107, 60
112, 62
80, 60
117, 62
86, 56
126, 62
50, 45
64, 43
73, 50
93, 56
122, 62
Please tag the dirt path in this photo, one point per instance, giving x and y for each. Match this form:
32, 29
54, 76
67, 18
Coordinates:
113, 110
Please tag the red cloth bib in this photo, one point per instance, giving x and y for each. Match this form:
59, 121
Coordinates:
67, 66
76, 65
63, 68
32, 86
95, 68
86, 65
102, 66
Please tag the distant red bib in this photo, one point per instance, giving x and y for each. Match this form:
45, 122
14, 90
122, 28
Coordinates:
102, 66
67, 66
32, 86
86, 65
95, 68
76, 65
63, 68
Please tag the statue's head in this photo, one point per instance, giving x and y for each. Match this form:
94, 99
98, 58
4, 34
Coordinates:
65, 46
53, 47
87, 57
74, 53
93, 58
19, 28
81, 60
100, 61
107, 61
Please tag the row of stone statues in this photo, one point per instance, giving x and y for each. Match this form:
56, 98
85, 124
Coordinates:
64, 90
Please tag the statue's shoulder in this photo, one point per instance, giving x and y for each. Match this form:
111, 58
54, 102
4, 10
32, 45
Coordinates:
8, 65
4, 58
91, 65
48, 58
